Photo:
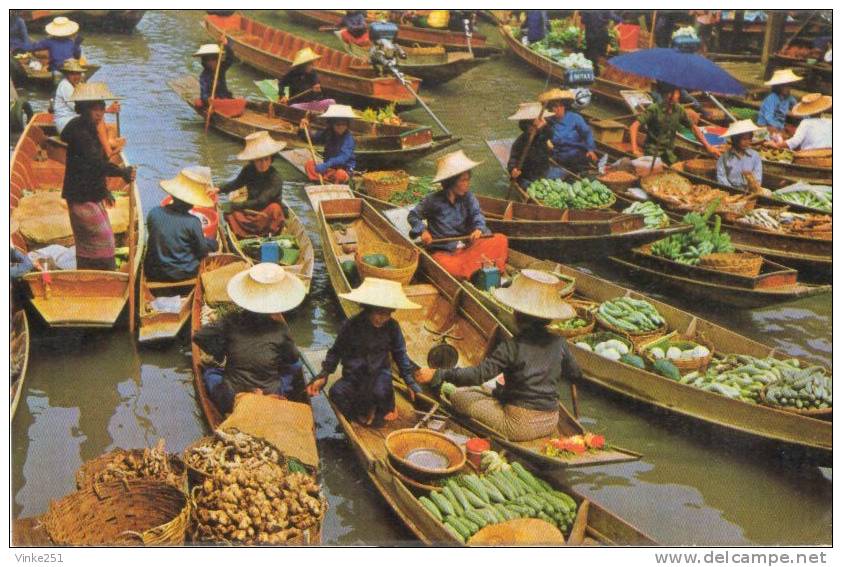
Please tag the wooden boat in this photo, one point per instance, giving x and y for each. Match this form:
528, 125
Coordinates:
401, 493
303, 265
43, 77
775, 283
272, 50
407, 34
75, 298
445, 309
432, 69
111, 21
19, 359
377, 144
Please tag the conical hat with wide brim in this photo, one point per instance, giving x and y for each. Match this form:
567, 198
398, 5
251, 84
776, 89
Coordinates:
92, 92
207, 49
556, 94
260, 145
61, 27
378, 292
266, 288
741, 127
529, 111
191, 185
305, 56
453, 164
783, 77
72, 66
813, 103
538, 294
338, 111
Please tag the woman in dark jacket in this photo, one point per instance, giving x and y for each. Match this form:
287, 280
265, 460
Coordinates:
339, 157
301, 84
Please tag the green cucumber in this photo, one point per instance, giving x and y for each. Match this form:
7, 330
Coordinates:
476, 518
502, 485
442, 503
459, 494
431, 508
448, 493
493, 492
454, 532
457, 525
474, 500
473, 484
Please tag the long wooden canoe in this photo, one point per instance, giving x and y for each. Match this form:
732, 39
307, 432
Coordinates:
445, 308
19, 359
43, 77
272, 50
74, 298
377, 144
407, 34
111, 21
603, 527
433, 69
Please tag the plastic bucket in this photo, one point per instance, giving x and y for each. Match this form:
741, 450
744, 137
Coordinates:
629, 36
475, 448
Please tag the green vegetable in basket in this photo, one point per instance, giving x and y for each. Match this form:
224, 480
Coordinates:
666, 369
581, 194
376, 260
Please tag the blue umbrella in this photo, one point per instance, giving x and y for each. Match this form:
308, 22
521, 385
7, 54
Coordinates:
684, 70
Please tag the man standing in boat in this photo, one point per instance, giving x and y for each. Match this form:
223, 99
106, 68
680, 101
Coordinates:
453, 215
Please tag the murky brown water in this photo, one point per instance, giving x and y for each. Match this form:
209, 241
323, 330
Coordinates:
89, 392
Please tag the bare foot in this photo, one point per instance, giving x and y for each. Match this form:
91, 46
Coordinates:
391, 416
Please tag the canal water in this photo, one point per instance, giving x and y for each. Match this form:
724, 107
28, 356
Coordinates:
88, 392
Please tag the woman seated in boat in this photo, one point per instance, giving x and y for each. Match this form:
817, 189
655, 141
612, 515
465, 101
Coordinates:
366, 345
62, 44
209, 54
354, 29
18, 34
301, 84
778, 103
574, 148
262, 212
86, 168
815, 131
259, 353
536, 163
454, 213
661, 121
734, 165
524, 406
175, 242
339, 158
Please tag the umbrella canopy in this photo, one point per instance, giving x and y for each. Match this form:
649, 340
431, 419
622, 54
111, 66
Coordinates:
685, 70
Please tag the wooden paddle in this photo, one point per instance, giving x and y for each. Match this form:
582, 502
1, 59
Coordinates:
213, 88
312, 149
580, 524
456, 238
532, 133
302, 93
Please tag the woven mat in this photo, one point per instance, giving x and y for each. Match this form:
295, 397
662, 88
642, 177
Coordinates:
44, 219
286, 425
215, 283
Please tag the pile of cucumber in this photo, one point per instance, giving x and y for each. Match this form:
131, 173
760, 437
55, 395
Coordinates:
582, 194
634, 316
468, 503
807, 388
653, 215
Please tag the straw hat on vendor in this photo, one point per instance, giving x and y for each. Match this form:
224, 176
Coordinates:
741, 127
260, 145
266, 288
812, 104
536, 293
528, 111
377, 292
339, 112
92, 92
553, 99
453, 165
783, 77
71, 66
304, 56
191, 186
207, 49
61, 27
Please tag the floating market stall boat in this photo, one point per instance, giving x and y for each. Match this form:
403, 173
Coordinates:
111, 21
272, 50
72, 298
446, 310
19, 359
378, 144
33, 69
407, 34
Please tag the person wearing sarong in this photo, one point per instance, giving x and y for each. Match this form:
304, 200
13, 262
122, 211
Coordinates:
339, 159
259, 352
303, 84
86, 168
366, 345
455, 212
261, 214
525, 404
209, 57
740, 159
63, 43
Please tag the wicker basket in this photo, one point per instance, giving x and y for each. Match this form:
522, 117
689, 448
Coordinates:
403, 261
585, 314
594, 339
824, 162
684, 366
383, 190
619, 185
741, 263
702, 167
826, 413
137, 512
637, 339
89, 473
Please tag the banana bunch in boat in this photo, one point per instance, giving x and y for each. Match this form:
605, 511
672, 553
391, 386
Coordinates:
468, 503
689, 247
653, 215
808, 388
631, 315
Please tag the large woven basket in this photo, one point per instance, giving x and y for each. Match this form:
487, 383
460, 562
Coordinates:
703, 167
741, 263
91, 472
637, 339
619, 181
684, 366
814, 161
826, 413
382, 190
136, 512
403, 261
585, 314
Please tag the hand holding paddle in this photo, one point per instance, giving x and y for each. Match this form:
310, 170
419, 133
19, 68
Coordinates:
222, 43
305, 123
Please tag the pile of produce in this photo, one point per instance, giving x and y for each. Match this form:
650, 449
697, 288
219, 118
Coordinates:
801, 52
808, 388
782, 155
127, 465
689, 247
778, 220
610, 346
743, 112
678, 350
634, 316
814, 196
211, 314
583, 194
611, 349
574, 445
678, 193
251, 246
467, 503
568, 324
418, 188
386, 115
248, 496
653, 215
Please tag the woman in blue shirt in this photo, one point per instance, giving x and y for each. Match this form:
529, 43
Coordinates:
339, 158
572, 138
63, 43
779, 102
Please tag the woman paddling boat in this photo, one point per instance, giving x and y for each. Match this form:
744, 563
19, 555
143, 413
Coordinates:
301, 83
339, 154
536, 162
209, 55
63, 43
454, 212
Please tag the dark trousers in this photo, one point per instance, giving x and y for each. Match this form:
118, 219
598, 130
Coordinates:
222, 394
357, 396
107, 264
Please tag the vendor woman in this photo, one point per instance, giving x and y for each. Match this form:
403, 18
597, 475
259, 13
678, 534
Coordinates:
262, 212
366, 345
455, 212
62, 44
339, 159
209, 55
85, 174
740, 159
661, 121
572, 138
533, 363
779, 102
814, 132
303, 84
255, 344
536, 163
